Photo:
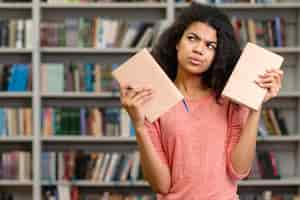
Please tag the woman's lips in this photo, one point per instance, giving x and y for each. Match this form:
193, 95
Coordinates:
195, 61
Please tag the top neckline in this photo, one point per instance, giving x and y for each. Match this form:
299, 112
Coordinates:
201, 98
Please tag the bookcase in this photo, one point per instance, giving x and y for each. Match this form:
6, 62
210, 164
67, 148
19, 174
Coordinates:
287, 147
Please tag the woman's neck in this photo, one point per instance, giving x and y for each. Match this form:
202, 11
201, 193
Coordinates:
191, 86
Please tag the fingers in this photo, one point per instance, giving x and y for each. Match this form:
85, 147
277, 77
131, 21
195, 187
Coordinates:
272, 81
143, 97
272, 78
128, 91
139, 99
132, 96
123, 89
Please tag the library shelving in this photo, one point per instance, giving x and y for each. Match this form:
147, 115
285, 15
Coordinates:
286, 147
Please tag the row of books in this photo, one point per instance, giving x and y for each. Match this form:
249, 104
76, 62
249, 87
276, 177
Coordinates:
106, 166
96, 1
113, 121
96, 167
73, 193
103, 1
82, 121
265, 166
16, 33
88, 77
98, 32
233, 1
269, 33
108, 33
15, 165
65, 192
15, 1
109, 121
269, 195
59, 77
5, 195
272, 123
120, 167
15, 122
239, 1
15, 77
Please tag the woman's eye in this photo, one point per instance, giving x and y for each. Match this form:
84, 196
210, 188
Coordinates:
191, 38
211, 46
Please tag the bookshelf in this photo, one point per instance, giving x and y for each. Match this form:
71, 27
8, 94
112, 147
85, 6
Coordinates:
288, 99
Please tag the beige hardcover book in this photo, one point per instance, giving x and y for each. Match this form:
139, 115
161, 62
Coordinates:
142, 70
241, 86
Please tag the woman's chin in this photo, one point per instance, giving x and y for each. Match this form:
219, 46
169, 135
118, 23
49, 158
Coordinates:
196, 69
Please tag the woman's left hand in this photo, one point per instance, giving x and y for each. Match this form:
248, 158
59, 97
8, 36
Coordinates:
272, 81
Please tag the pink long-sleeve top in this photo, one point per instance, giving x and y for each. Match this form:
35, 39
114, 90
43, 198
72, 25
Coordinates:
196, 146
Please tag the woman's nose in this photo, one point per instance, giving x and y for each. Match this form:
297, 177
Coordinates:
199, 48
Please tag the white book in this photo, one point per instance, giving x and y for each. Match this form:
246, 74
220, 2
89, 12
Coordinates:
112, 165
28, 33
21, 130
64, 192
125, 123
97, 167
104, 166
129, 36
134, 172
20, 35
22, 167
146, 38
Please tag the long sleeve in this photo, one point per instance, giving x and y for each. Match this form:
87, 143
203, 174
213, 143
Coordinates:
237, 118
156, 138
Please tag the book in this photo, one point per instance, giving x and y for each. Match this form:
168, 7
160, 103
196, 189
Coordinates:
241, 87
142, 70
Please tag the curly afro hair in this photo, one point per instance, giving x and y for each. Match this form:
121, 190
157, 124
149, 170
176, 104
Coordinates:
227, 53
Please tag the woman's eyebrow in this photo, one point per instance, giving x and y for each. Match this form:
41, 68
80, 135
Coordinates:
198, 37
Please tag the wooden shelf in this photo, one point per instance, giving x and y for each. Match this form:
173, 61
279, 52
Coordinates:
16, 139
89, 50
87, 183
20, 95
281, 182
80, 95
6, 50
89, 139
134, 184
294, 138
250, 5
15, 5
16, 183
119, 5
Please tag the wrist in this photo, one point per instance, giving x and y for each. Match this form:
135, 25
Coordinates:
139, 127
256, 111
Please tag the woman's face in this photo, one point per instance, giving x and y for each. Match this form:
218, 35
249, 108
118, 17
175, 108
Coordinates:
197, 48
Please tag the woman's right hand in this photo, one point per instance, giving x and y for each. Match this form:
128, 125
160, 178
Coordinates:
132, 99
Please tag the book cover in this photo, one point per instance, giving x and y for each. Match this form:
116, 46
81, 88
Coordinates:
143, 70
241, 87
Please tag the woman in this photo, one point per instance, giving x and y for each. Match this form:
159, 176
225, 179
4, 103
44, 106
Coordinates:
202, 153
